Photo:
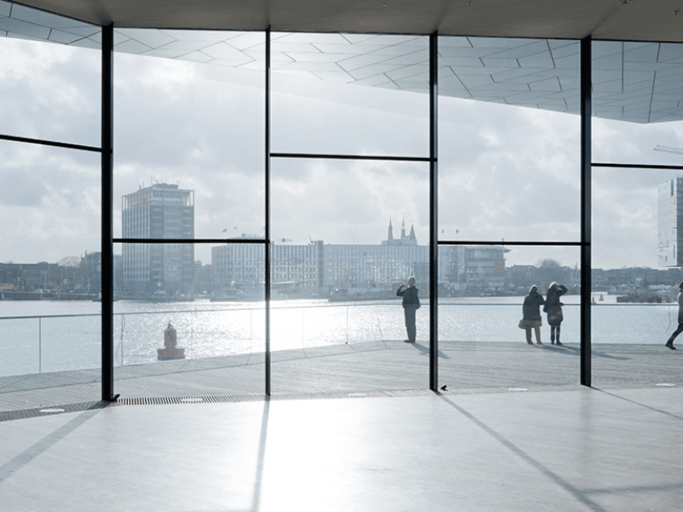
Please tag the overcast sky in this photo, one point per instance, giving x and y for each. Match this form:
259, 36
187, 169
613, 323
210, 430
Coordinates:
506, 173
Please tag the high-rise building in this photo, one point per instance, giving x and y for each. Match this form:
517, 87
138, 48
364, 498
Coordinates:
161, 211
670, 223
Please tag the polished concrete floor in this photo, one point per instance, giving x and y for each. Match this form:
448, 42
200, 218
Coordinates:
583, 450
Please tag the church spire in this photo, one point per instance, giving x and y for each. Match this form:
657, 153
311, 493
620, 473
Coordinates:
412, 233
403, 229
391, 230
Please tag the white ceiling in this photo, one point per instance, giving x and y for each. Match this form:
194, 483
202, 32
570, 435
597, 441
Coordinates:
635, 81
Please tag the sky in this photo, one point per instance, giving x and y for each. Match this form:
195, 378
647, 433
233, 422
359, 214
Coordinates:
505, 173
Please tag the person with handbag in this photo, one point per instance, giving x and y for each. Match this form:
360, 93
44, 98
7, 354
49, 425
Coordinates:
553, 307
531, 314
411, 303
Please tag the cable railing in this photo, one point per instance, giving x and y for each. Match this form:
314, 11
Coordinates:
48, 343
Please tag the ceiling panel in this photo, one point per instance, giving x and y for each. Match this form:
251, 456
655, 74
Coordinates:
633, 81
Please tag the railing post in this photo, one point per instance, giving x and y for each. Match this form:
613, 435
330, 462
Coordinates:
40, 345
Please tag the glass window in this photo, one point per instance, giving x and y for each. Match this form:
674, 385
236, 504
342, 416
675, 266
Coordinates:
196, 331
189, 139
347, 235
636, 272
50, 272
509, 170
636, 241
482, 291
509, 161
50, 91
637, 88
319, 108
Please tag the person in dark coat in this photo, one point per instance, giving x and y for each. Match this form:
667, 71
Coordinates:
553, 307
531, 314
411, 304
670, 341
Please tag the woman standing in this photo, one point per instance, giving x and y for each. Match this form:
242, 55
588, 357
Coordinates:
531, 314
553, 307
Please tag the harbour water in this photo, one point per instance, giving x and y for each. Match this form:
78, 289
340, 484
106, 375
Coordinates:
37, 337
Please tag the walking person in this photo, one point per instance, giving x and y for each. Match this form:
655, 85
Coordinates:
679, 329
411, 303
531, 314
553, 307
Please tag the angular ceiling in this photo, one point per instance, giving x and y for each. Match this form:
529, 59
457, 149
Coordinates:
633, 20
634, 81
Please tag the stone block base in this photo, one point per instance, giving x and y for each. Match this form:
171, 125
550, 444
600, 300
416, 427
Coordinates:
171, 353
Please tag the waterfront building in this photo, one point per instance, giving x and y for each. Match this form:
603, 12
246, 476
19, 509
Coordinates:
296, 269
202, 278
91, 269
72, 274
42, 276
322, 270
160, 211
670, 223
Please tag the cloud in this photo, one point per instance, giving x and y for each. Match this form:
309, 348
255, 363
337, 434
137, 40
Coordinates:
50, 203
21, 189
350, 202
50, 92
518, 179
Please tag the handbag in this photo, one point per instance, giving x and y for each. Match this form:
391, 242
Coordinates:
528, 324
556, 314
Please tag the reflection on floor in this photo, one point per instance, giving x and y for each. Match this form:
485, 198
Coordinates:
584, 450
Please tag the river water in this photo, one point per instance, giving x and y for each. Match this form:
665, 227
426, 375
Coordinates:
38, 342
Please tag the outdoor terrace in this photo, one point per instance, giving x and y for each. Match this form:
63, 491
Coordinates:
464, 367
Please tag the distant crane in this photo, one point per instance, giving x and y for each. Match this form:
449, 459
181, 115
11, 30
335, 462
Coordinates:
669, 149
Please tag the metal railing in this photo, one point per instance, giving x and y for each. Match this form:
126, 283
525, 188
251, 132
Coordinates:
304, 326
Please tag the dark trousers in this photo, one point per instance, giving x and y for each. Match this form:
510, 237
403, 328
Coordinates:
410, 322
555, 332
678, 331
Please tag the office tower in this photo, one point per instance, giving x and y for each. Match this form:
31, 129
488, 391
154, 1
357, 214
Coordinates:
669, 220
162, 211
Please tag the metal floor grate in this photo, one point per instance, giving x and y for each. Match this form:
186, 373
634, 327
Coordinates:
262, 397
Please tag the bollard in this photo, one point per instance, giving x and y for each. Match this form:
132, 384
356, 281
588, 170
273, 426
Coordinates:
171, 349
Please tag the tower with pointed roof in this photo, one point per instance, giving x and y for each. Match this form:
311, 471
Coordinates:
410, 239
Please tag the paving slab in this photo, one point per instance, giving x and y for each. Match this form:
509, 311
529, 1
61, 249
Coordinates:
385, 365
